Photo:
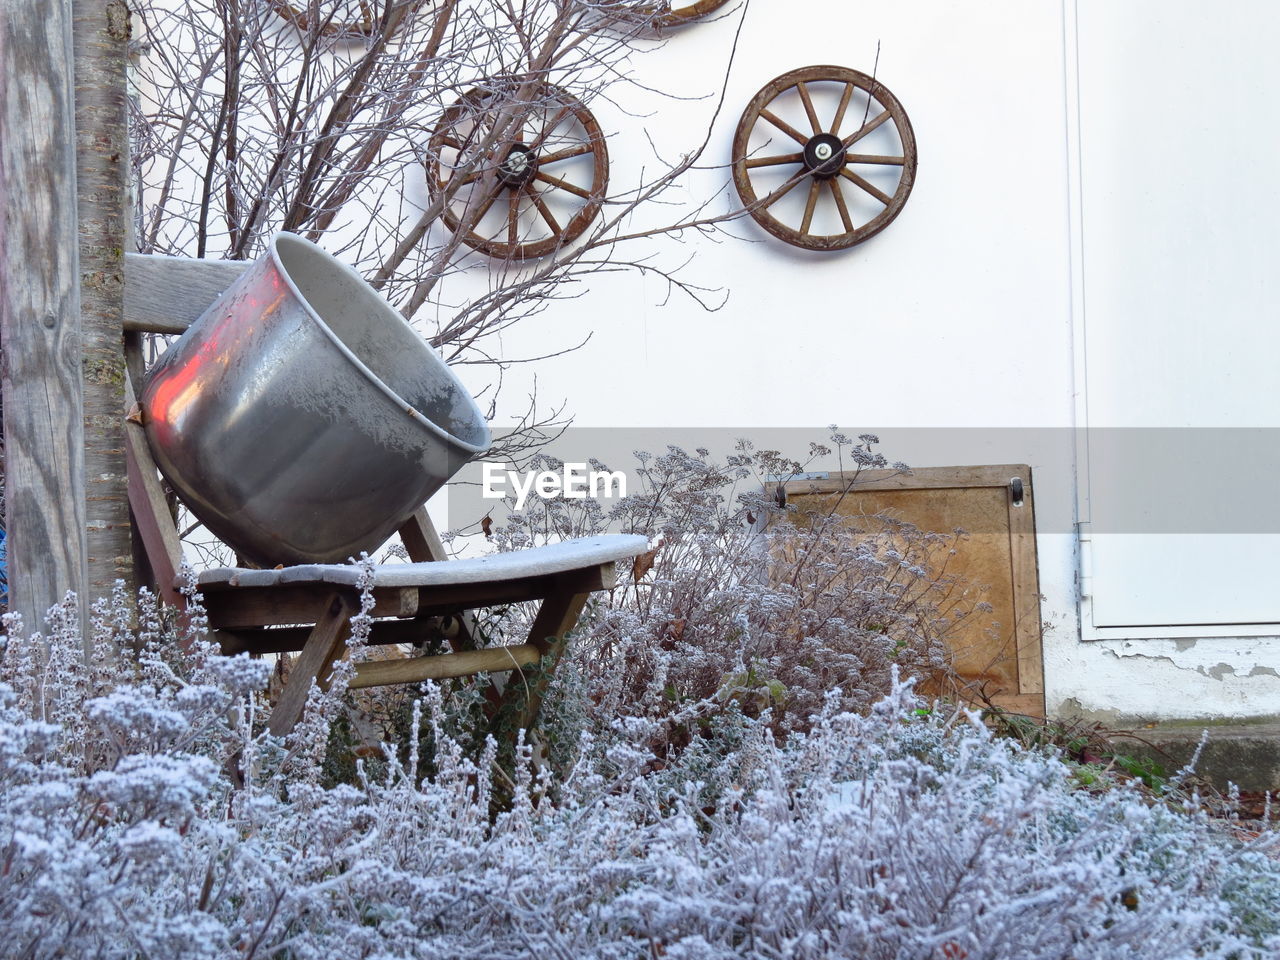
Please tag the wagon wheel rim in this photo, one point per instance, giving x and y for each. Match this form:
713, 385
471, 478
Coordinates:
824, 161
299, 17
673, 15
527, 183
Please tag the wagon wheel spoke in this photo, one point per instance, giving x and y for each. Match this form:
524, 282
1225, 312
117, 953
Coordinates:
774, 161
484, 207
866, 128
809, 110
785, 127
841, 205
815, 187
563, 185
844, 105
870, 188
514, 167
825, 159
549, 126
543, 209
781, 192
566, 153
874, 158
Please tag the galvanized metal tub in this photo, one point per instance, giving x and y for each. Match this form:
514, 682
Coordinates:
300, 417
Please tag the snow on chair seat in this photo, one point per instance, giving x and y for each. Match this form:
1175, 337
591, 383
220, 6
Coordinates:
556, 558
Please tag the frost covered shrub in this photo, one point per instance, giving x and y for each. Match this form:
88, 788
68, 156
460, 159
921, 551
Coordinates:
888, 834
745, 600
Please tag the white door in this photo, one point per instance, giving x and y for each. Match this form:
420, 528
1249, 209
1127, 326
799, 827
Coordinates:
1176, 137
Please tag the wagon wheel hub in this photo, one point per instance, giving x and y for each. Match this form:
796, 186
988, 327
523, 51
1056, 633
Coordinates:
519, 167
824, 155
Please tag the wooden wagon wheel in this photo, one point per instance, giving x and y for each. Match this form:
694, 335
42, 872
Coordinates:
671, 15
545, 209
300, 17
851, 185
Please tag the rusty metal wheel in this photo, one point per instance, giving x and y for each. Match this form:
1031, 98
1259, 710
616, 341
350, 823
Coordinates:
802, 128
671, 15
353, 20
553, 173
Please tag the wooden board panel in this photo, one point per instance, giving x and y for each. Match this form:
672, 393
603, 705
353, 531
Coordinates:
40, 311
259, 640
151, 516
996, 563
376, 673
167, 294
276, 606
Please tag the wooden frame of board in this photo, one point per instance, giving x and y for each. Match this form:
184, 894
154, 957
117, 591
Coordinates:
1008, 542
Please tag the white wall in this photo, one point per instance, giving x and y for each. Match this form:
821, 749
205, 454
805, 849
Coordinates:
956, 317
964, 313
947, 318
958, 334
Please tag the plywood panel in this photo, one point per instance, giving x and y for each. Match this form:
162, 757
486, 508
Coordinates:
994, 562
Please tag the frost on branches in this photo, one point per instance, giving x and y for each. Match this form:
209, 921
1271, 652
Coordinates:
898, 832
743, 600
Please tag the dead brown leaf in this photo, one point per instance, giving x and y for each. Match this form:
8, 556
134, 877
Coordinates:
643, 564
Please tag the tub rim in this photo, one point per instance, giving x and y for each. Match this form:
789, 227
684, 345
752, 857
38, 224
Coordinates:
360, 365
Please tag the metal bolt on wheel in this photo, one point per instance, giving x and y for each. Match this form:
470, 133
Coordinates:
858, 188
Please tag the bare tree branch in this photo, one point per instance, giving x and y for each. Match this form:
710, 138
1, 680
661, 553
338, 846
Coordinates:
326, 118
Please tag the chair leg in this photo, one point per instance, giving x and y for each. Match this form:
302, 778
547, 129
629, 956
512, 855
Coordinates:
324, 645
525, 689
152, 522
423, 544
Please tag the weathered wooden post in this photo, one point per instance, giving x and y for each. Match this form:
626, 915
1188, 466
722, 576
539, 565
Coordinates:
40, 308
102, 151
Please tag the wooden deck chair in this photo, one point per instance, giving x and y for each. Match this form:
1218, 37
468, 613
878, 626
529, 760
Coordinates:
260, 611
